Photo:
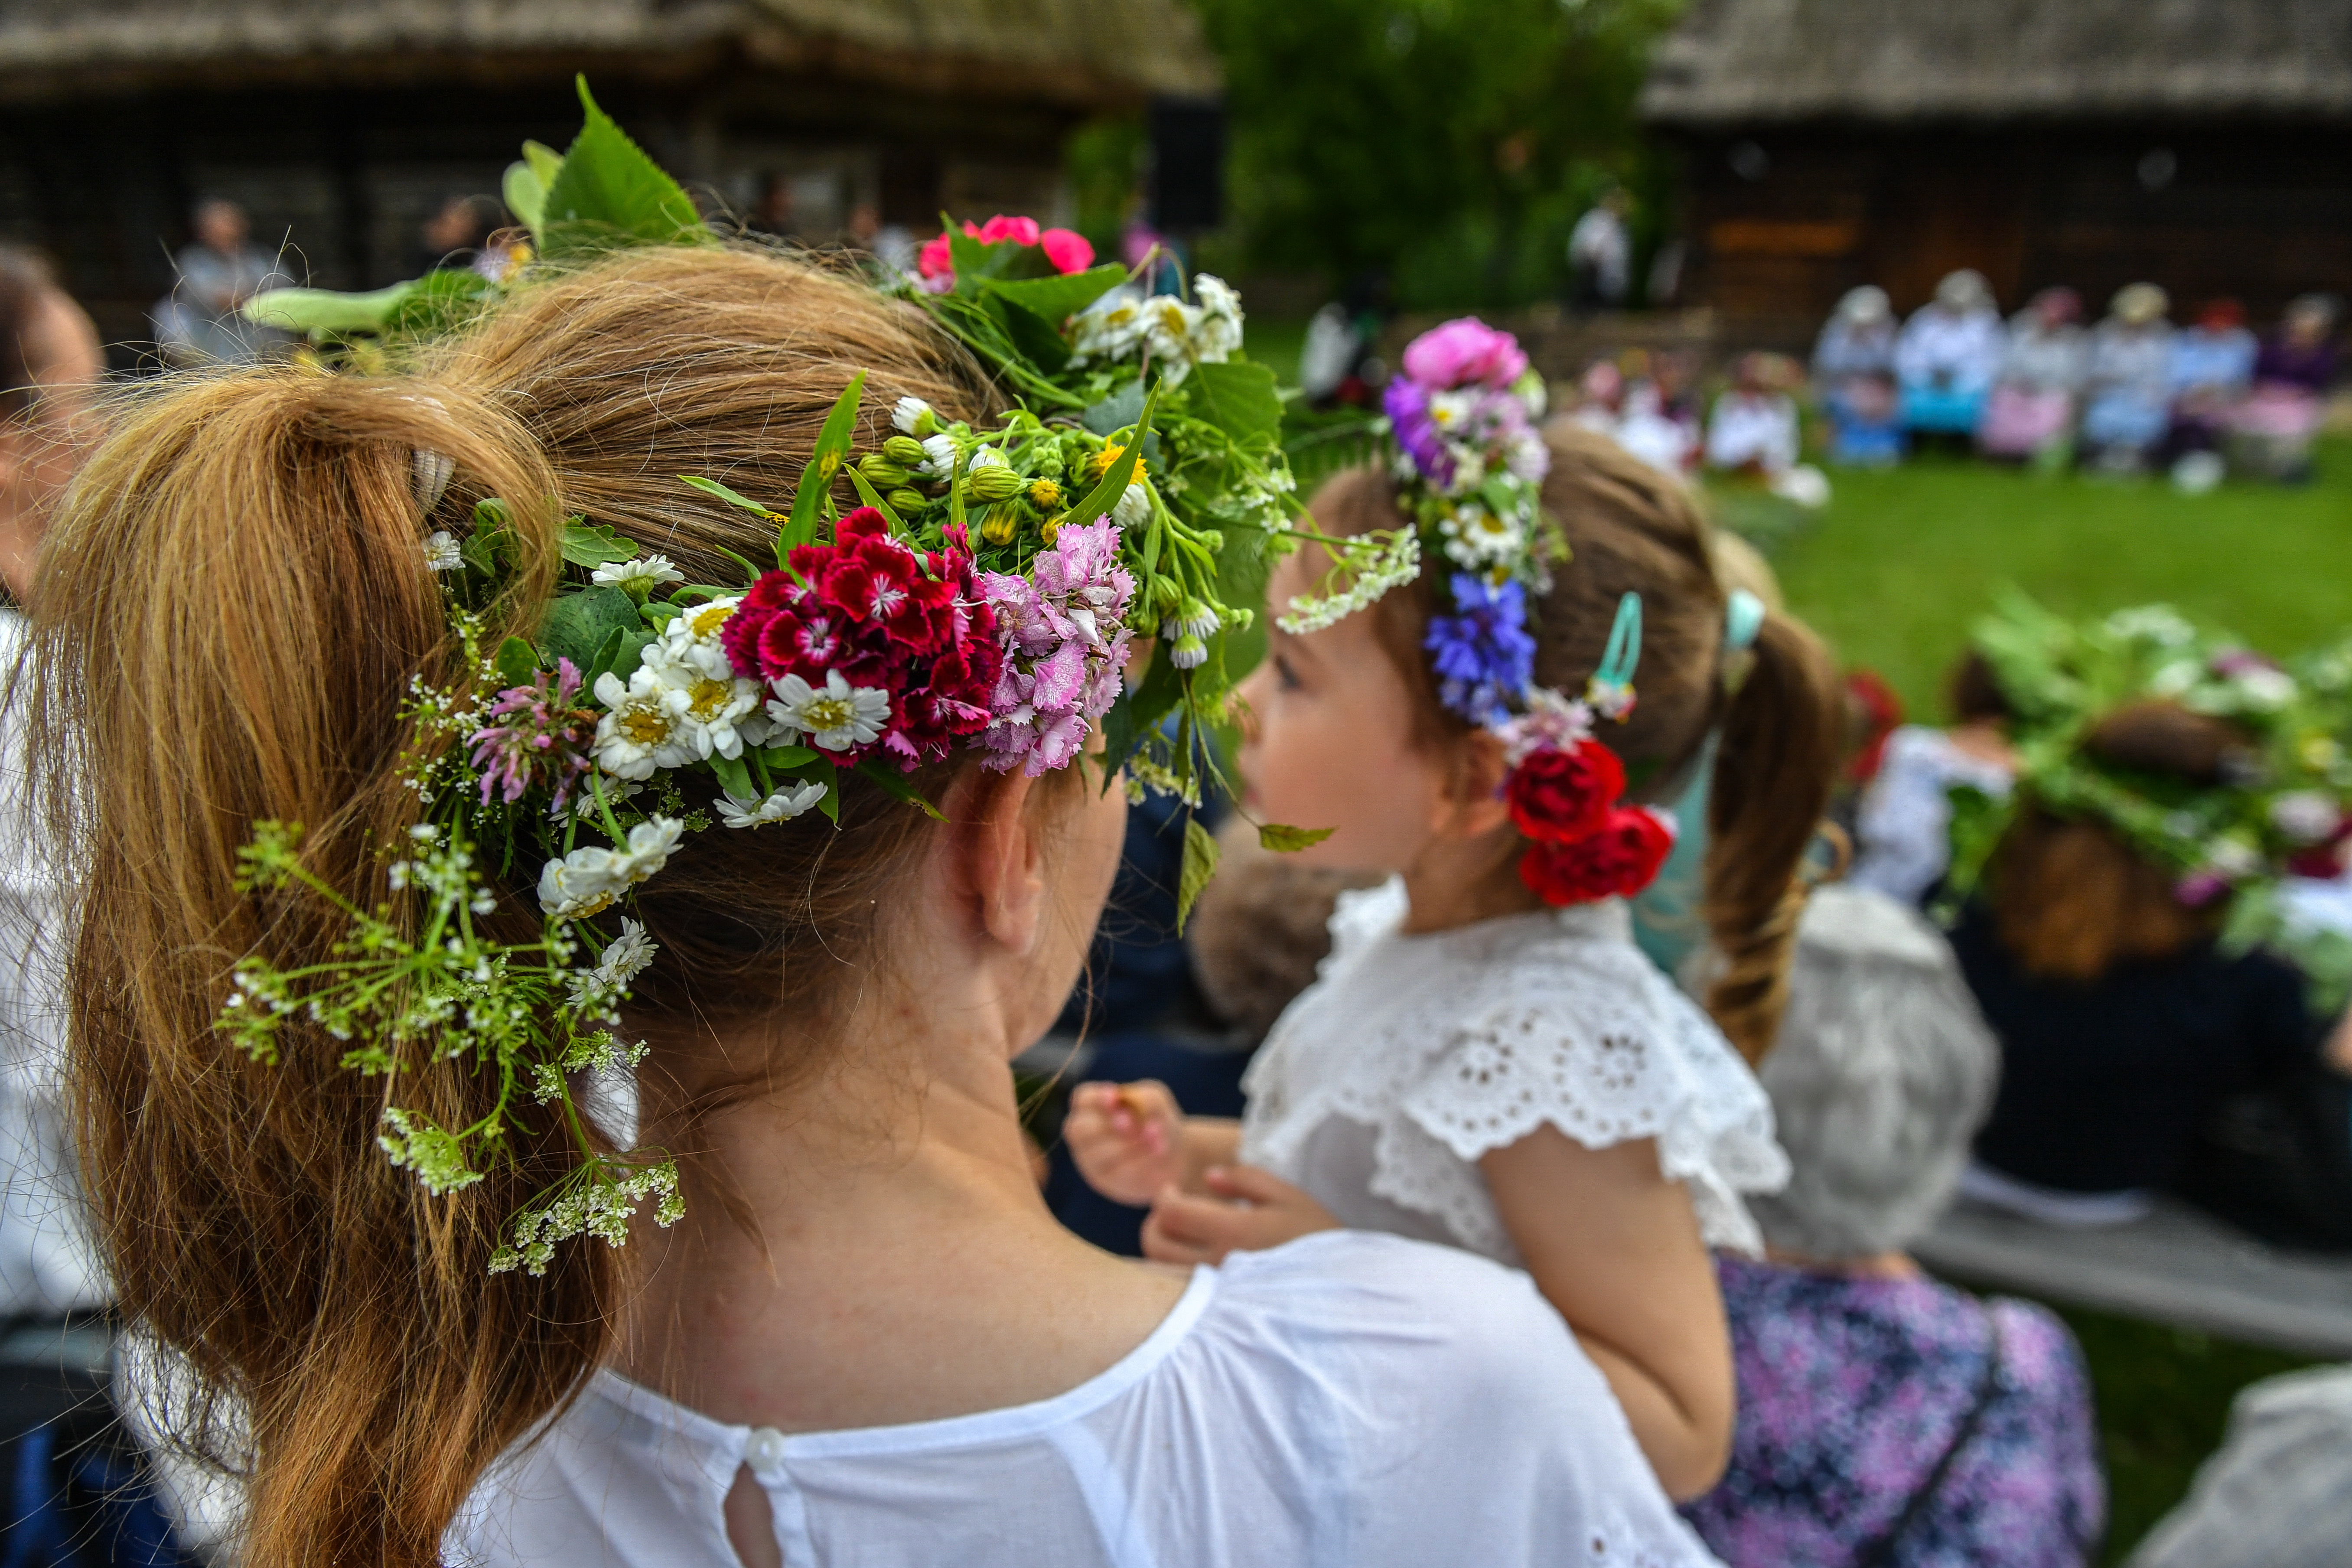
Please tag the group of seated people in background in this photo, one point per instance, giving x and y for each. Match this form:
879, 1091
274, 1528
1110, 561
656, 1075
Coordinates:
2131, 393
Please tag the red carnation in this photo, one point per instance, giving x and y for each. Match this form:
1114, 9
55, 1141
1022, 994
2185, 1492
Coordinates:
1618, 861
864, 522
1558, 797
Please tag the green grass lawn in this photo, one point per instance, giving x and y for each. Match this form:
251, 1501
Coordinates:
1900, 563
1893, 570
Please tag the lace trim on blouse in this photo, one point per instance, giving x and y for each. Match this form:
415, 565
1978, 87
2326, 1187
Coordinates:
1455, 1043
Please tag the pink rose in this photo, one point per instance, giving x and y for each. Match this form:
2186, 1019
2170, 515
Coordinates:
1019, 230
1067, 250
1464, 351
936, 260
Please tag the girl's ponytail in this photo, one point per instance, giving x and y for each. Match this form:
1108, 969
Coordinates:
234, 600
1774, 768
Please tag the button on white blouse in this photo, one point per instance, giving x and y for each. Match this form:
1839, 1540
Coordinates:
1347, 1400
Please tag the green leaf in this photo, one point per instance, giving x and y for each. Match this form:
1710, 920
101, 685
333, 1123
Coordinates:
897, 788
831, 803
1199, 864
1059, 298
608, 191
1115, 480
873, 498
734, 776
437, 302
517, 661
324, 312
1117, 412
785, 757
1237, 397
1285, 841
584, 545
713, 487
1037, 339
545, 161
525, 192
579, 625
832, 451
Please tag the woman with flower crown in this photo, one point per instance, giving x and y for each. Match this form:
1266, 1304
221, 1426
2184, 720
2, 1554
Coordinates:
1488, 1060
405, 807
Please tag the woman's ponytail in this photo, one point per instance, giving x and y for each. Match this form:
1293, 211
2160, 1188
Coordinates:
1782, 737
235, 599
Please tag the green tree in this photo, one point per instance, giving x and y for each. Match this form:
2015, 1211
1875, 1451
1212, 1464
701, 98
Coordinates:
1451, 143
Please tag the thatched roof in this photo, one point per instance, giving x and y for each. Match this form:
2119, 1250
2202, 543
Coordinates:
1081, 52
1741, 61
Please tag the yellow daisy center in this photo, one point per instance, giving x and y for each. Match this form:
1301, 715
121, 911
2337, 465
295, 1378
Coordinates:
643, 727
828, 713
707, 620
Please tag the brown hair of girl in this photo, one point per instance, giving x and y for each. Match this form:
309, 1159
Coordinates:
234, 603
1631, 529
2071, 899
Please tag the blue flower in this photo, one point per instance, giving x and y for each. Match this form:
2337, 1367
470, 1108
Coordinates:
1481, 653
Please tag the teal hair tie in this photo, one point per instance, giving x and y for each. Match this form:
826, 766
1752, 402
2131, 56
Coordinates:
1743, 618
1624, 650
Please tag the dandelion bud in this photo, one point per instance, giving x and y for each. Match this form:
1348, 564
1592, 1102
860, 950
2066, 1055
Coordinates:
1189, 653
881, 471
1053, 529
1000, 526
993, 483
906, 502
1045, 494
905, 451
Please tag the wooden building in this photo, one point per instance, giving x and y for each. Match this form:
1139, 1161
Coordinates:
341, 125
2205, 145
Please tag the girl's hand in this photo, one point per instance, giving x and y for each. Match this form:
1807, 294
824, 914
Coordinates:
1127, 1139
1249, 1212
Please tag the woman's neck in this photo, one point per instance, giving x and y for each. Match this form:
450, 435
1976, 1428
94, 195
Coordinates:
1456, 884
871, 1249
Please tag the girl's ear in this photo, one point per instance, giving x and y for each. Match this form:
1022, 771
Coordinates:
997, 857
1473, 802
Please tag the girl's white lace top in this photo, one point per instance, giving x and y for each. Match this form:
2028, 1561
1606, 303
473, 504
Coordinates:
1412, 1056
1347, 1400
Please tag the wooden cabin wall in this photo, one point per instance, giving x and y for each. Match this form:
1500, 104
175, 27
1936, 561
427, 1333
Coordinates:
2259, 212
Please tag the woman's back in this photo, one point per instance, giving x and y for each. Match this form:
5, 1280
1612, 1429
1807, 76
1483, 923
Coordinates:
1345, 1399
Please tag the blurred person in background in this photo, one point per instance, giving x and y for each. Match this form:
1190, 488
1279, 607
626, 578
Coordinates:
1753, 425
198, 322
1853, 369
1886, 1417
1903, 830
1659, 420
2293, 373
70, 1477
2029, 416
2128, 405
1946, 356
2212, 371
2125, 1026
1339, 365
1600, 255
772, 213
458, 233
2278, 1492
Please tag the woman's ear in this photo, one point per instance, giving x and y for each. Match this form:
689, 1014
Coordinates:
1473, 803
996, 859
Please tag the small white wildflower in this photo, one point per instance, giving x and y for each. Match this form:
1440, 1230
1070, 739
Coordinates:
441, 553
646, 725
781, 806
1133, 507
913, 417
2306, 816
639, 576
2232, 857
938, 457
589, 881
2265, 689
1373, 562
1188, 653
836, 717
1109, 329
986, 457
1192, 620
1551, 723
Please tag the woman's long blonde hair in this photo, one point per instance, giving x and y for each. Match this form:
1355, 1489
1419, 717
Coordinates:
234, 601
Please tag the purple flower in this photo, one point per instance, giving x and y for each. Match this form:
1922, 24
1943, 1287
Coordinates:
1463, 350
539, 737
1407, 406
1483, 654
1064, 630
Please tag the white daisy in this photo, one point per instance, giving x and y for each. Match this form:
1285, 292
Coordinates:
781, 806
938, 457
1109, 328
2304, 815
692, 638
646, 726
836, 717
648, 850
639, 576
1133, 507
909, 414
624, 959
717, 709
578, 884
441, 552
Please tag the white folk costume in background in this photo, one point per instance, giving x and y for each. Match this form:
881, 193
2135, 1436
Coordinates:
2033, 406
2130, 404
1948, 355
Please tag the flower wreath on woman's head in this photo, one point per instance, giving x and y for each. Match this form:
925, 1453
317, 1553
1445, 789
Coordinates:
1469, 466
985, 595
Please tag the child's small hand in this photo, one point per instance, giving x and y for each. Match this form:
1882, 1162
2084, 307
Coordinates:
1127, 1139
1250, 1212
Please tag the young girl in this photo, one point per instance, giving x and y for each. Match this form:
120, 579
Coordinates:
1487, 1059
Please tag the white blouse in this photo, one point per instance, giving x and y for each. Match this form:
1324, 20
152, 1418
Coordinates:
1383, 1083
1345, 1400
